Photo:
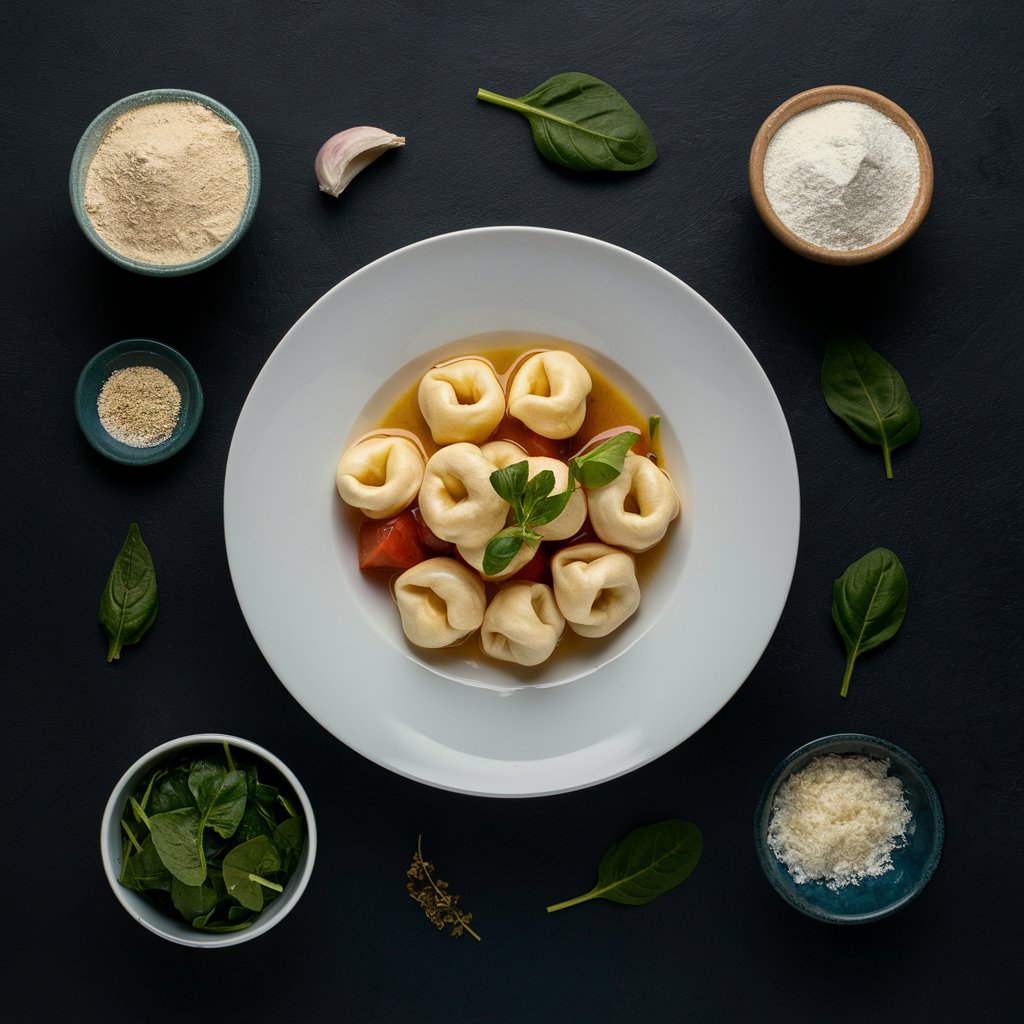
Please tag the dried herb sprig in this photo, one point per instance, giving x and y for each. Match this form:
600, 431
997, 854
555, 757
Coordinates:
440, 906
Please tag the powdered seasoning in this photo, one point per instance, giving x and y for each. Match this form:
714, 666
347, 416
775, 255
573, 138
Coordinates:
139, 406
842, 175
168, 183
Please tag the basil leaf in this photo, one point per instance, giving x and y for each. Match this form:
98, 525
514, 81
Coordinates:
601, 465
129, 603
867, 393
244, 868
653, 426
582, 123
501, 549
646, 863
510, 481
868, 604
537, 489
552, 507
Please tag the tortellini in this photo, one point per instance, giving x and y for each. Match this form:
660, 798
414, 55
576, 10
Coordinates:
596, 587
572, 517
440, 601
380, 475
457, 500
549, 394
522, 624
634, 510
461, 401
473, 554
502, 453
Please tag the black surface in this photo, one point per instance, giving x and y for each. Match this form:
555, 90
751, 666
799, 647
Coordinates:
946, 310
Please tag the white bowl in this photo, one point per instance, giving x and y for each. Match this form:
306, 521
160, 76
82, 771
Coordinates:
152, 917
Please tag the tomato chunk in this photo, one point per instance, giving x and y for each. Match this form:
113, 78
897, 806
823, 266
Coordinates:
427, 538
536, 570
390, 545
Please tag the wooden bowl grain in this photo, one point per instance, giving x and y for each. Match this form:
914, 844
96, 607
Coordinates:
813, 98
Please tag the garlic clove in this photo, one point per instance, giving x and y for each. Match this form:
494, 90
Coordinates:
344, 155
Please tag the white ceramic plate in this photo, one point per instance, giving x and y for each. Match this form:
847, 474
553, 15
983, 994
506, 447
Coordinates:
707, 613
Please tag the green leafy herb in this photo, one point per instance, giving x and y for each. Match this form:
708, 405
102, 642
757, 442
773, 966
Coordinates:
867, 393
440, 906
646, 863
601, 465
533, 504
129, 601
868, 604
582, 123
211, 841
653, 426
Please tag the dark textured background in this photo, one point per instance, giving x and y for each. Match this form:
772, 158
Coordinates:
946, 310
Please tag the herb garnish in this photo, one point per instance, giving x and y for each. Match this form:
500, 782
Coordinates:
582, 123
129, 602
867, 393
534, 505
868, 604
440, 906
209, 840
646, 863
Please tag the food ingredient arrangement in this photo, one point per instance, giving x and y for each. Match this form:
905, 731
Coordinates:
493, 534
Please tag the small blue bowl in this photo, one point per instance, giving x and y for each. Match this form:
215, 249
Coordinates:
138, 352
86, 150
913, 864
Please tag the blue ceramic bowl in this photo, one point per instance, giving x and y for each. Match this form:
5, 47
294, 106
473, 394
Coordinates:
137, 352
86, 150
913, 864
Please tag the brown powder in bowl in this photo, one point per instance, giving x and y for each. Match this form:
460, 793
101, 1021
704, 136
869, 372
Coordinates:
139, 406
168, 183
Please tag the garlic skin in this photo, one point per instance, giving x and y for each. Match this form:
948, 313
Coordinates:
344, 155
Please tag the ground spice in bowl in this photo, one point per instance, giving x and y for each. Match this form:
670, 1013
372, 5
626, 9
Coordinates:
139, 406
168, 182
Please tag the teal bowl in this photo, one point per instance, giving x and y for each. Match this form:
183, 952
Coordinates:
913, 864
86, 150
119, 356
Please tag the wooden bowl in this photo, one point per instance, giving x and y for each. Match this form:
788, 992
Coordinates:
816, 97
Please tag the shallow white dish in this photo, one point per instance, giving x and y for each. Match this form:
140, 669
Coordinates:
336, 643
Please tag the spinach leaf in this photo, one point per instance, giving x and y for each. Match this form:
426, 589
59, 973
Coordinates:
129, 602
192, 901
867, 393
646, 863
582, 123
220, 795
868, 604
177, 837
244, 870
145, 870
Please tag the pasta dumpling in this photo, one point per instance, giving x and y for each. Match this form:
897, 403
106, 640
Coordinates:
440, 601
461, 401
571, 518
634, 510
549, 394
457, 500
473, 554
595, 586
522, 624
502, 453
380, 475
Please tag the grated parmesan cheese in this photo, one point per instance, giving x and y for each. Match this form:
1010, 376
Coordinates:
838, 820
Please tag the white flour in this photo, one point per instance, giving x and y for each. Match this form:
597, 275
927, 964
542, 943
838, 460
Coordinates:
842, 175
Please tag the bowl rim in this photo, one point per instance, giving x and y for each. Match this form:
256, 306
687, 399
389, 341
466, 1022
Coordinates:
86, 149
816, 97
206, 940
108, 445
782, 770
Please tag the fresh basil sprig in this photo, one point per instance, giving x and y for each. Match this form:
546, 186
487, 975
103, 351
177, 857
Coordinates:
533, 504
868, 604
867, 393
582, 123
646, 863
129, 602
